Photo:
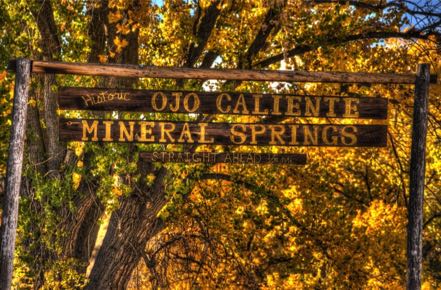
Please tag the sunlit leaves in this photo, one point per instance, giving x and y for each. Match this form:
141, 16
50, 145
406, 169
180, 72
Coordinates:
338, 222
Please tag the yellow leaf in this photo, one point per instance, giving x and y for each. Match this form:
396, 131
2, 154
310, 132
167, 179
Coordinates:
114, 16
123, 29
120, 44
102, 58
3, 75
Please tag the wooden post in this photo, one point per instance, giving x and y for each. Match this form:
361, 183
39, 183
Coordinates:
417, 171
13, 176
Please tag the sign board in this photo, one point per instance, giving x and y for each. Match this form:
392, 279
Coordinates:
168, 132
227, 157
221, 103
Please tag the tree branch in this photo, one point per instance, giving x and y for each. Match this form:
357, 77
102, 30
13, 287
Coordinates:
378, 7
433, 217
209, 59
97, 29
44, 16
43, 13
203, 26
273, 199
269, 25
334, 41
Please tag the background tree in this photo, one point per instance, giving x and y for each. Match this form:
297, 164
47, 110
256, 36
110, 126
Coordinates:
338, 221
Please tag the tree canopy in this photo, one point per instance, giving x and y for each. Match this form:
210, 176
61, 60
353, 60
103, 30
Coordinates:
96, 216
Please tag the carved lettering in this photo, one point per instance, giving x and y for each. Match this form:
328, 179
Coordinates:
351, 108
108, 130
241, 106
277, 132
311, 109
185, 136
311, 136
238, 134
349, 136
294, 129
219, 103
124, 134
326, 135
166, 129
223, 103
146, 132
276, 105
256, 130
163, 101
93, 129
177, 96
203, 134
196, 102
293, 106
224, 133
257, 109
331, 106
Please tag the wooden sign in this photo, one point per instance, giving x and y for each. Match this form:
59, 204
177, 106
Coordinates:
222, 133
227, 157
221, 103
168, 132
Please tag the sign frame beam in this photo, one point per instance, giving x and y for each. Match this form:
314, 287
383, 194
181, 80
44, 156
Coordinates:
138, 71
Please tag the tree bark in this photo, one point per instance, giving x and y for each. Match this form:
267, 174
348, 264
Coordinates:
97, 29
417, 173
44, 16
202, 28
83, 226
14, 169
130, 227
51, 47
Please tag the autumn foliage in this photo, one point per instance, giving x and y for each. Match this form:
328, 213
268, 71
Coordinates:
95, 216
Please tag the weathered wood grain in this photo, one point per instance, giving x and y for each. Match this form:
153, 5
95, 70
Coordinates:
118, 70
167, 132
227, 157
417, 174
14, 169
97, 99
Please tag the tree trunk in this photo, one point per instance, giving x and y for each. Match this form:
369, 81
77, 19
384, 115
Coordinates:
136, 222
130, 227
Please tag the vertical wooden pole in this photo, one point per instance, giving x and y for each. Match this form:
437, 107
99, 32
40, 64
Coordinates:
14, 168
417, 171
